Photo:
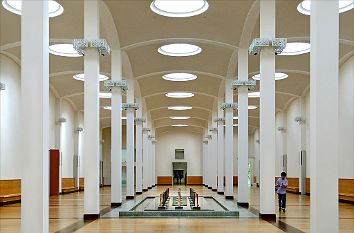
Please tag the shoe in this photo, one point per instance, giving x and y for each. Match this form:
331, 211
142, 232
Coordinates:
279, 209
284, 210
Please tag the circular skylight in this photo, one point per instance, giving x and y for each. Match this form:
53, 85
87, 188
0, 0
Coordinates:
254, 94
179, 8
234, 125
180, 125
235, 117
180, 118
278, 76
179, 95
15, 6
344, 5
179, 77
179, 108
179, 50
81, 77
105, 95
64, 50
251, 107
296, 48
107, 107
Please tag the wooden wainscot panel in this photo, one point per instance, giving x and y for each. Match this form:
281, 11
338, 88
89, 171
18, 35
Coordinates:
346, 190
68, 185
194, 180
164, 180
10, 191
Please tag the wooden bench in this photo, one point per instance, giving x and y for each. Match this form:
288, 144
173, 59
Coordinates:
10, 191
68, 185
293, 186
81, 184
346, 190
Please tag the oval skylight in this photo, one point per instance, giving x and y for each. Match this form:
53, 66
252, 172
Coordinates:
251, 107
296, 48
179, 108
180, 125
179, 95
81, 77
64, 50
305, 6
15, 6
179, 77
180, 118
179, 8
105, 95
254, 94
179, 50
107, 107
278, 76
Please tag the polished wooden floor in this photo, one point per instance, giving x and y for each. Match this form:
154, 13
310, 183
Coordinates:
66, 216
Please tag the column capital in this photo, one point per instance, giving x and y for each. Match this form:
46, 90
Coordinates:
123, 84
224, 106
259, 43
80, 45
250, 84
127, 106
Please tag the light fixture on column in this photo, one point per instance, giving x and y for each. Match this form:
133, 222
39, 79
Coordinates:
79, 129
296, 48
179, 95
139, 120
224, 106
2, 86
110, 84
179, 77
64, 50
126, 106
81, 77
282, 129
344, 5
278, 76
179, 8
15, 6
257, 44
250, 84
150, 137
258, 141
61, 120
299, 120
205, 141
179, 50
100, 44
213, 130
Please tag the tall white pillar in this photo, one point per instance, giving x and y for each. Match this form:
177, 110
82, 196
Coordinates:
324, 116
243, 193
210, 157
145, 157
139, 149
116, 130
206, 160
35, 116
150, 157
130, 141
267, 112
221, 155
302, 146
214, 153
229, 137
153, 145
91, 116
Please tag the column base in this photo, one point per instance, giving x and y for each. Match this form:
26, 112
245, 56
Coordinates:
214, 190
154, 186
209, 187
145, 190
129, 197
149, 187
205, 185
243, 204
91, 217
221, 193
268, 217
138, 193
116, 204
229, 197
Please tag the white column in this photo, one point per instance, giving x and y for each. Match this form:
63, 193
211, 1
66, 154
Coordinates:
35, 116
145, 157
229, 137
130, 142
210, 158
116, 130
153, 158
267, 112
206, 158
139, 149
243, 196
150, 157
302, 146
214, 153
324, 116
91, 116
221, 162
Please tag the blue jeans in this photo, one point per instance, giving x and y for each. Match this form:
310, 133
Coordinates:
282, 200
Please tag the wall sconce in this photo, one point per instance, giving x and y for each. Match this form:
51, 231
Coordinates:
101, 141
299, 120
258, 141
79, 129
61, 120
282, 129
2, 86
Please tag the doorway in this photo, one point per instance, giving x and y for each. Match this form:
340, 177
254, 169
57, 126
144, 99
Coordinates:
179, 172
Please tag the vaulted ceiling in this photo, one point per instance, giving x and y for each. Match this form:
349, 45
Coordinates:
220, 31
